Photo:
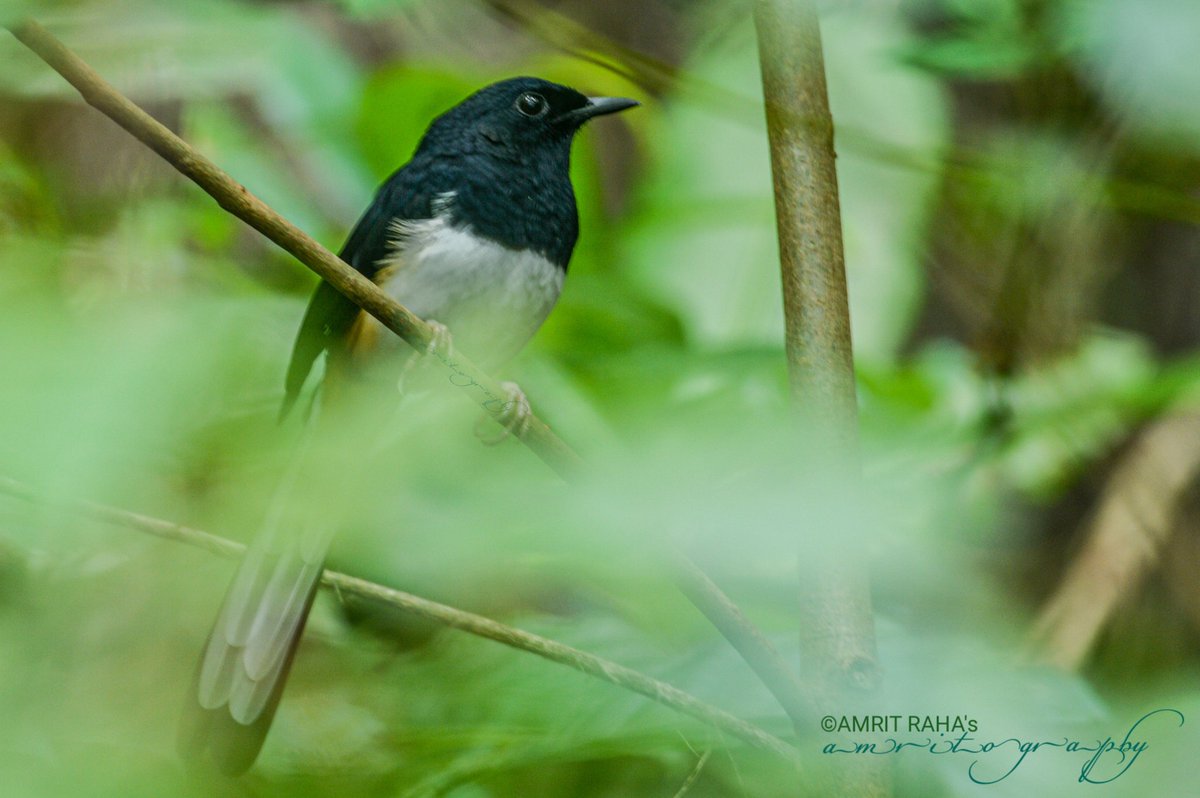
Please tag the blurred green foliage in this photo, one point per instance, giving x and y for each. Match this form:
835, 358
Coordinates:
144, 335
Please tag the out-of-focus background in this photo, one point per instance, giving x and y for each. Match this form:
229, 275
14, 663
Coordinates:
1021, 205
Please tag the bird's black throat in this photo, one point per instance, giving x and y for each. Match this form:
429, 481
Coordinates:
522, 200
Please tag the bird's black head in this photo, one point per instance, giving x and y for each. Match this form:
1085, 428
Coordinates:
503, 155
517, 119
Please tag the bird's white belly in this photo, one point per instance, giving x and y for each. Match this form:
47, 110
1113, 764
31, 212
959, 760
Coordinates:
491, 297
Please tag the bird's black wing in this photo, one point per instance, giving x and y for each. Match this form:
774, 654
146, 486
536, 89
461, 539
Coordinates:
330, 315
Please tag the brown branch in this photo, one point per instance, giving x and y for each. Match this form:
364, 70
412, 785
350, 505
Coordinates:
237, 200
1181, 556
605, 670
836, 626
1123, 540
747, 640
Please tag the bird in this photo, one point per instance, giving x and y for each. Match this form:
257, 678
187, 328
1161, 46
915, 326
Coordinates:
474, 235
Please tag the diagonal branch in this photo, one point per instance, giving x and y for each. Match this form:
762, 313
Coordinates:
603, 669
741, 633
235, 198
1125, 539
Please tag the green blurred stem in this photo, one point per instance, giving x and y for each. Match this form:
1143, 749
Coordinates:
836, 625
695, 774
237, 200
344, 584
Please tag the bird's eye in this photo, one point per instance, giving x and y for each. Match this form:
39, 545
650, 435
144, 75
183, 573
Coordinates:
532, 104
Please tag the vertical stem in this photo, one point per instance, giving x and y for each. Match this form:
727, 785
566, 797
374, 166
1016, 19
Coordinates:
836, 627
800, 127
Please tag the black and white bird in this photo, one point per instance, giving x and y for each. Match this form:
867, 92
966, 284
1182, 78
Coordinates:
474, 233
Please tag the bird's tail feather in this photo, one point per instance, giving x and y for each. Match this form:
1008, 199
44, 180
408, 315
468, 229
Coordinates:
239, 679
240, 676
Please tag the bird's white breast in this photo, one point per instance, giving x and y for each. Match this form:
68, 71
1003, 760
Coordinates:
492, 298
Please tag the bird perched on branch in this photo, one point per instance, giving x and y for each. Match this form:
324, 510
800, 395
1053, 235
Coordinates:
475, 234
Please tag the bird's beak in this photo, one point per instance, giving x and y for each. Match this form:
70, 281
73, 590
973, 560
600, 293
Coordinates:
598, 106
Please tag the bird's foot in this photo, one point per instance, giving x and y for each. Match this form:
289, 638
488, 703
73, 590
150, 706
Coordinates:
440, 343
440, 346
514, 417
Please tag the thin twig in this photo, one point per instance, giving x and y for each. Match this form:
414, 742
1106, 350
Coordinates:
237, 200
695, 774
745, 637
602, 669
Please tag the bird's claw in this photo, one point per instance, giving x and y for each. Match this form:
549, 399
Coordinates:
515, 413
440, 346
514, 417
440, 342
